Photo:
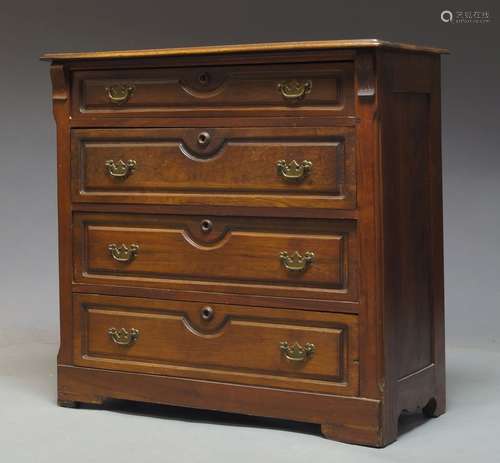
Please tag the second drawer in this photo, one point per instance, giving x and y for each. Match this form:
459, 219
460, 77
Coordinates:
269, 167
265, 256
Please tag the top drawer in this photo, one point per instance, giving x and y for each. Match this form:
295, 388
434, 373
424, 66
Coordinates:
249, 90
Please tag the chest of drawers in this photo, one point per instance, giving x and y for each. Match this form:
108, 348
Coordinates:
254, 229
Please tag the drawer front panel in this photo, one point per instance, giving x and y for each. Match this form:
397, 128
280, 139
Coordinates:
314, 258
249, 90
283, 348
280, 167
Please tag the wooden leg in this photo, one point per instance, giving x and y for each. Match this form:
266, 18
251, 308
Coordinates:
434, 408
354, 435
68, 403
76, 400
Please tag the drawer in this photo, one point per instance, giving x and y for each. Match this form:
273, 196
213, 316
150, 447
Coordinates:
278, 167
248, 90
279, 348
287, 257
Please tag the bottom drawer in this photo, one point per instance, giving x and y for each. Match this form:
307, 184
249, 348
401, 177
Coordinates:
269, 347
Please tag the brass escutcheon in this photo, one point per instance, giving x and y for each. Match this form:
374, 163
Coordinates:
122, 336
119, 93
296, 262
293, 90
123, 253
294, 171
120, 169
204, 78
297, 353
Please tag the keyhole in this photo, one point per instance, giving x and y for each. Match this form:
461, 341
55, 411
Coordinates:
203, 138
203, 78
206, 225
207, 313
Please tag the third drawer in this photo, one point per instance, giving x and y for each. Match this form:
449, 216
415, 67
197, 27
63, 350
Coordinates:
313, 259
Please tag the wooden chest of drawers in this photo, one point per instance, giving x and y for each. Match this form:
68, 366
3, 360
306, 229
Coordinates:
254, 229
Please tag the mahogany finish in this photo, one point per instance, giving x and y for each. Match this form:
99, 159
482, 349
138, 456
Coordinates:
255, 229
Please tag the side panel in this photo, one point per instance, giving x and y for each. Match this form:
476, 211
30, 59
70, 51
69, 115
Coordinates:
412, 233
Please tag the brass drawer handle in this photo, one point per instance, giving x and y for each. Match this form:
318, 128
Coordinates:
294, 90
119, 93
296, 262
123, 253
120, 169
123, 337
297, 353
294, 171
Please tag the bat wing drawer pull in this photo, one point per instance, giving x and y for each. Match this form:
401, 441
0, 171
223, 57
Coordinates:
296, 262
119, 93
294, 171
295, 352
295, 90
123, 253
122, 336
120, 169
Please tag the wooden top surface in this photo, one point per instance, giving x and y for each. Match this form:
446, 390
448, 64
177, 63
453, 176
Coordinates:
244, 48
